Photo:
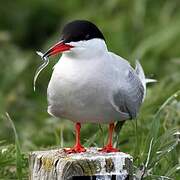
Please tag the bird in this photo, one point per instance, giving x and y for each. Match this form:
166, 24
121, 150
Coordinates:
91, 84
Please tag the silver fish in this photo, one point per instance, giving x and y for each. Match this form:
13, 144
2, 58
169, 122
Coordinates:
40, 68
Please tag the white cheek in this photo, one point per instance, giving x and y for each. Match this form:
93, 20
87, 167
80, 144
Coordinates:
89, 48
90, 44
77, 44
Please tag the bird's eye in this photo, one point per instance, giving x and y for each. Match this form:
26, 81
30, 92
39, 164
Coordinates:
87, 36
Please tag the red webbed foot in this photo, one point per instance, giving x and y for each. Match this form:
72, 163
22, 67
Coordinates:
108, 149
78, 148
75, 149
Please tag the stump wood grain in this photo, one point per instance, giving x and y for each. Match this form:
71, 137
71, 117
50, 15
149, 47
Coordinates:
92, 164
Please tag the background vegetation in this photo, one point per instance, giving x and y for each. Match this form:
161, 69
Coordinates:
145, 29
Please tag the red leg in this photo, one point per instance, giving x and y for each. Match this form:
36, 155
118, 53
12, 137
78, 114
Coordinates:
109, 147
78, 148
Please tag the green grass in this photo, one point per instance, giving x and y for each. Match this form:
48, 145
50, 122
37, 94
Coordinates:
148, 30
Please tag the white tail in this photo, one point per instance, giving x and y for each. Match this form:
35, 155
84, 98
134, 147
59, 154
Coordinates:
150, 80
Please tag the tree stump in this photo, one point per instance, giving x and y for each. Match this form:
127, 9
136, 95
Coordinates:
92, 164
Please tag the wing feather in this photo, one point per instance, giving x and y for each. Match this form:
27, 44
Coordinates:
129, 97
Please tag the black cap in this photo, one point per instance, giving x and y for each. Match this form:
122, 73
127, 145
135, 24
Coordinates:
80, 30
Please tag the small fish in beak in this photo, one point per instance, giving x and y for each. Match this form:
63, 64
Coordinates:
57, 48
40, 68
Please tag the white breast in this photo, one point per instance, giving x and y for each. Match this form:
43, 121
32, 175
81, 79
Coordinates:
80, 90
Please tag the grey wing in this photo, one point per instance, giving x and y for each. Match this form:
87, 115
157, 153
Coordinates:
129, 96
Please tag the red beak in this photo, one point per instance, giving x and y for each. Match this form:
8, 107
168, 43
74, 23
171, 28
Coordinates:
57, 48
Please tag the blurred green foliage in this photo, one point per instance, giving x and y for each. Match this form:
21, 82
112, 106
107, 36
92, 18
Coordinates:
148, 30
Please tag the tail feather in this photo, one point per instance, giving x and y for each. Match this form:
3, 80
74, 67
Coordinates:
150, 80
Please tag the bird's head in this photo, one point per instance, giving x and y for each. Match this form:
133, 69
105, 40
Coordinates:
79, 38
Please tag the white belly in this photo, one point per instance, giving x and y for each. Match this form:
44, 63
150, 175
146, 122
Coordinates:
79, 92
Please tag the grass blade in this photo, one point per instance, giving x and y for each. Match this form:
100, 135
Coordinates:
18, 149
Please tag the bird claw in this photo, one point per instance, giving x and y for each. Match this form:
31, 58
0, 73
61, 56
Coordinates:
108, 149
75, 149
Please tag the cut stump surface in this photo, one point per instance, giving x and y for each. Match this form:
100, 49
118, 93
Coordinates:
57, 165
